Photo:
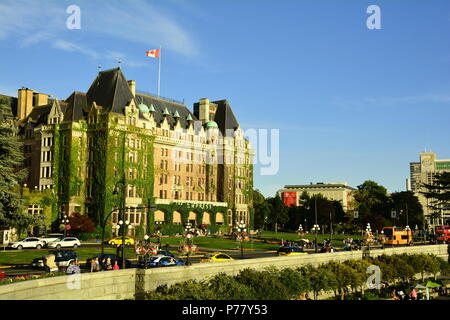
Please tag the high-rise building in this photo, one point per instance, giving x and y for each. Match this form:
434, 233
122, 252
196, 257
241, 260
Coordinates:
148, 150
424, 172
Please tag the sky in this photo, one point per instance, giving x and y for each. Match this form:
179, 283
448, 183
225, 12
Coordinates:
349, 103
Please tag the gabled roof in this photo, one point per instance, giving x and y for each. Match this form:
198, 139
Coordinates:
76, 107
172, 107
224, 116
111, 91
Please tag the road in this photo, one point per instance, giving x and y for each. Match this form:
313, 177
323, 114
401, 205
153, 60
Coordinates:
25, 269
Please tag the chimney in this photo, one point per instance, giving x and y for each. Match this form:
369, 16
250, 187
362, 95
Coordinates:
40, 99
132, 85
204, 110
24, 103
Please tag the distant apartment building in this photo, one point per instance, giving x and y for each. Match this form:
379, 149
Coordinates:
424, 172
339, 191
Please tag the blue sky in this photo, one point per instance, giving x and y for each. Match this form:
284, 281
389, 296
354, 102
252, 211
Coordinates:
350, 103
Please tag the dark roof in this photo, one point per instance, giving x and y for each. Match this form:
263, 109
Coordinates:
110, 90
40, 114
319, 185
225, 117
76, 107
172, 107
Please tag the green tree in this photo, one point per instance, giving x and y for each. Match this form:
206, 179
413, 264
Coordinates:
5, 108
320, 279
344, 275
225, 287
407, 205
262, 210
278, 212
11, 179
372, 203
294, 282
438, 193
264, 284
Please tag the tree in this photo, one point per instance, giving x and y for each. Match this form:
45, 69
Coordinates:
278, 212
372, 203
80, 223
407, 205
438, 193
11, 202
262, 209
294, 282
320, 278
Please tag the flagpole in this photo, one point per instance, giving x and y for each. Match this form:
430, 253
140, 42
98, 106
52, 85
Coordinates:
159, 71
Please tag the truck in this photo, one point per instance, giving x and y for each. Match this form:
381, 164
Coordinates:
442, 234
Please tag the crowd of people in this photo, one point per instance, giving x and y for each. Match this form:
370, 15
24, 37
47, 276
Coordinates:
104, 265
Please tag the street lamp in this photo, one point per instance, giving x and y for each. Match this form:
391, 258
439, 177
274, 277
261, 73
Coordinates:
408, 229
369, 233
65, 221
316, 229
241, 230
159, 223
189, 235
124, 226
146, 237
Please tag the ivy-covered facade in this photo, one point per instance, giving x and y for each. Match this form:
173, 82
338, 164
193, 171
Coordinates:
112, 153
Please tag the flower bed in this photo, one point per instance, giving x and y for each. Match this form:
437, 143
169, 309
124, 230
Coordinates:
29, 277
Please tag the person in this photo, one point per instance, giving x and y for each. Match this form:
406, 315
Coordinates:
414, 294
394, 295
95, 265
116, 266
108, 264
73, 267
401, 294
307, 297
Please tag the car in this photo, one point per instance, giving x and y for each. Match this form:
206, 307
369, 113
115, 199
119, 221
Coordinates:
118, 241
162, 261
290, 251
68, 242
62, 258
27, 243
113, 258
51, 237
216, 257
165, 253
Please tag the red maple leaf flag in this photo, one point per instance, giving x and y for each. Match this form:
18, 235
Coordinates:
153, 53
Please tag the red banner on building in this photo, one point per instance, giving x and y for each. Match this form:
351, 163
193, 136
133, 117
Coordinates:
290, 198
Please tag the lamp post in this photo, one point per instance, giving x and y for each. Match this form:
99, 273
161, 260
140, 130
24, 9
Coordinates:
124, 225
146, 237
65, 222
159, 223
316, 229
408, 229
189, 235
241, 230
369, 232
382, 239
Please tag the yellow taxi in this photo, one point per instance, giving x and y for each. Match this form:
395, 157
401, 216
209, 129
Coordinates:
216, 257
291, 251
118, 241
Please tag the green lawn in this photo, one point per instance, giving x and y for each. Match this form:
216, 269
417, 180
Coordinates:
12, 257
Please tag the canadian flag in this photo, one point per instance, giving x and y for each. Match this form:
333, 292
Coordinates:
153, 53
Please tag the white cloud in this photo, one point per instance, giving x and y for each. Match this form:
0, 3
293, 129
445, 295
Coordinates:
135, 21
72, 47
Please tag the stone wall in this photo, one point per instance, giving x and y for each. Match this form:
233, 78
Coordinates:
130, 283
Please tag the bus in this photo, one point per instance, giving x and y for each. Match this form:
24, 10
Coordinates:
442, 234
395, 235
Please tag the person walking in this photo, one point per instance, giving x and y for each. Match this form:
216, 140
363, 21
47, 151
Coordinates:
116, 266
95, 265
73, 268
108, 264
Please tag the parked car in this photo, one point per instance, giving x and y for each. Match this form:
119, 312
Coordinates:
291, 251
68, 242
165, 253
62, 258
27, 243
118, 240
51, 237
113, 258
216, 257
161, 261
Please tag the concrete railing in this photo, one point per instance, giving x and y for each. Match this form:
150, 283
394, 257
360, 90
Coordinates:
131, 283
